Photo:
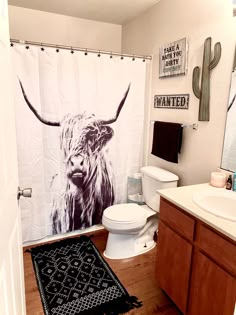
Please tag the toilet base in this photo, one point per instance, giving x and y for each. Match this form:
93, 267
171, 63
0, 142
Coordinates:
126, 246
121, 246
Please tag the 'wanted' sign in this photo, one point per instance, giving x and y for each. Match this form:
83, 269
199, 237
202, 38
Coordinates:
179, 101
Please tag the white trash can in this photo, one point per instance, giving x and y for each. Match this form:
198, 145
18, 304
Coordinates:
134, 189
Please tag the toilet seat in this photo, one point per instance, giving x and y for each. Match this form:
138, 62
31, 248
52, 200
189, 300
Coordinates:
124, 217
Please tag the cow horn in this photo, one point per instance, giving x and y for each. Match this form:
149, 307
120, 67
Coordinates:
44, 121
232, 102
110, 121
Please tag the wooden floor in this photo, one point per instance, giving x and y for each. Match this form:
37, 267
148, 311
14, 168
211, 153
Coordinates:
136, 274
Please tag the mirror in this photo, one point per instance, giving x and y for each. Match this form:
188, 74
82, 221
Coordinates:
228, 161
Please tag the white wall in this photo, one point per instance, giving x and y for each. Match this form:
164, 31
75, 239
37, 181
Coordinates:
168, 21
39, 26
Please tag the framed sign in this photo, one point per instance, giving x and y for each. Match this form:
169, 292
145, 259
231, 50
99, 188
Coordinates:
178, 101
173, 58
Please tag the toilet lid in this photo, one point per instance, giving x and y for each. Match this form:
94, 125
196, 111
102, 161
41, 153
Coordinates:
127, 212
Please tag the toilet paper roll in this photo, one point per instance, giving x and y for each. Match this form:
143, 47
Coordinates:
218, 179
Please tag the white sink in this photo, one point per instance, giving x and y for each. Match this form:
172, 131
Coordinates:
221, 203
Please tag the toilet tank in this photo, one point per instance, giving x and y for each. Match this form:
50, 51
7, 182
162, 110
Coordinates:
154, 178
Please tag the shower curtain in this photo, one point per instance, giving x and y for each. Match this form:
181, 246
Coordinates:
79, 120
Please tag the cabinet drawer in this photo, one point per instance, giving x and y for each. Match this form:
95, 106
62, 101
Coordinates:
217, 247
177, 220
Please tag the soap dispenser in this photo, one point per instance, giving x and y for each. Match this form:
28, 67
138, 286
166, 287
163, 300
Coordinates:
229, 183
234, 182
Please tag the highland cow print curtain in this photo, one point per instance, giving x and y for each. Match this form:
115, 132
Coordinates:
79, 121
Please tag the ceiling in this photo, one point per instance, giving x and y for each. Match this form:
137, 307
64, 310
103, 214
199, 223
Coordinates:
110, 11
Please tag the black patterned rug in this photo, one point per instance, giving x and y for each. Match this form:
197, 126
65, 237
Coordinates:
73, 278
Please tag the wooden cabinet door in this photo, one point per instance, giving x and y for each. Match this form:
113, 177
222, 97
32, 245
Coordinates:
212, 289
173, 265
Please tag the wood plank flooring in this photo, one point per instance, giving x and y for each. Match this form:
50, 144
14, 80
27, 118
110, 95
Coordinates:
136, 274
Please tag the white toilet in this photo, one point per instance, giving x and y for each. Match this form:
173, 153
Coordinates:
131, 226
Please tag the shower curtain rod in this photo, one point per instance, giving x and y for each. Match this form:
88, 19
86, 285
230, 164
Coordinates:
86, 50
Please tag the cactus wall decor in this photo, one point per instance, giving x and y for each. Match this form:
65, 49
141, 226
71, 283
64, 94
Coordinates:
208, 64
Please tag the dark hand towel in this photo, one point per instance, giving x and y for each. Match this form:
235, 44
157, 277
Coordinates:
167, 140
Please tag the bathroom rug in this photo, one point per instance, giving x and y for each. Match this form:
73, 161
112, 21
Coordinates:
74, 279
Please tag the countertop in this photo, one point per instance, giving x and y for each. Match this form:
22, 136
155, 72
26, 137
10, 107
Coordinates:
182, 197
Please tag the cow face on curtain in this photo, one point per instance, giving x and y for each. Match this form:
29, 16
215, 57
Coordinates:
89, 186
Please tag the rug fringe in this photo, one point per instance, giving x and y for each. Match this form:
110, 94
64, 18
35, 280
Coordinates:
118, 307
135, 302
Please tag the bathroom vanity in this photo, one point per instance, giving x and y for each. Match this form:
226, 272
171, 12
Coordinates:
196, 263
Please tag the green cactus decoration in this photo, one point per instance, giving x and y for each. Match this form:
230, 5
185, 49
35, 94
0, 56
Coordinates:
207, 66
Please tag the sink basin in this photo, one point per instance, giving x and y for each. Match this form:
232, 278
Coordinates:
220, 203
